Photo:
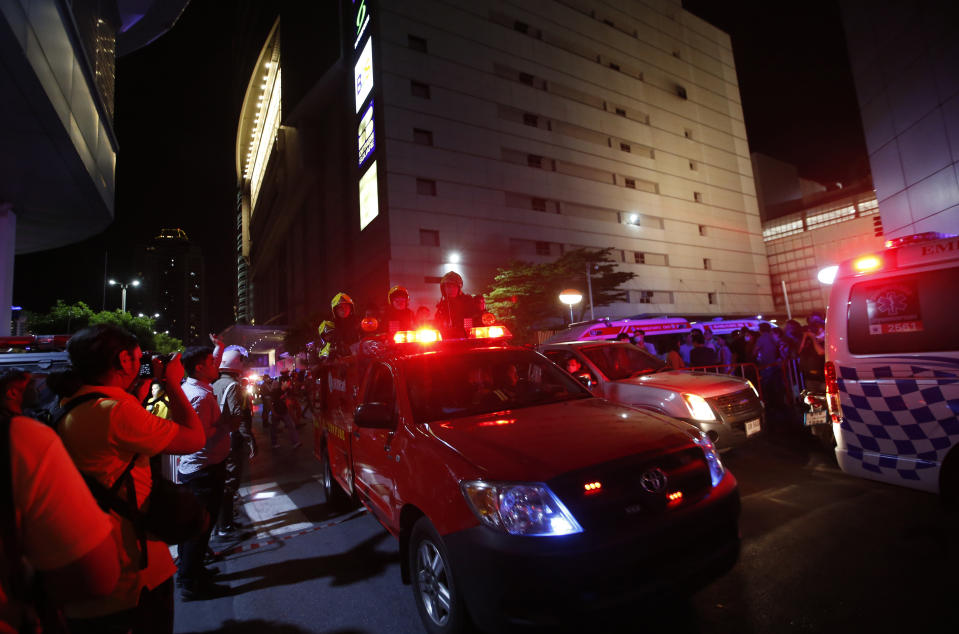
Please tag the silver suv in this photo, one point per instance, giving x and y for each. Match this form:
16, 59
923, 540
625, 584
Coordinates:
725, 407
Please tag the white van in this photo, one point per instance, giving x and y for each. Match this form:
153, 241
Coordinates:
892, 364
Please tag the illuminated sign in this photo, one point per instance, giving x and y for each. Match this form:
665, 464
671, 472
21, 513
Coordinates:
363, 74
366, 140
369, 201
362, 20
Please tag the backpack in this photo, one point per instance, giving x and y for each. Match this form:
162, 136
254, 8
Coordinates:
173, 514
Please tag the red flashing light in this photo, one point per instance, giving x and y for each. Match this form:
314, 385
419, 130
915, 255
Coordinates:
423, 335
592, 487
489, 332
832, 392
674, 498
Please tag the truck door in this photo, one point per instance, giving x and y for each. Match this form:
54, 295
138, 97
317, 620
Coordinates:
373, 460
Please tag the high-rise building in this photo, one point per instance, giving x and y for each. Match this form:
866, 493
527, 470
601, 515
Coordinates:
58, 154
904, 57
172, 274
463, 135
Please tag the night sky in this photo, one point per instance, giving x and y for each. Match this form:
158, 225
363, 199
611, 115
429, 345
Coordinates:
178, 104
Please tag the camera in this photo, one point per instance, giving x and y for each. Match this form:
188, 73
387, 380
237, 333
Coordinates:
146, 363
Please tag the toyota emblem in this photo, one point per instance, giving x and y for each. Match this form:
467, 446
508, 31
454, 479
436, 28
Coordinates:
653, 481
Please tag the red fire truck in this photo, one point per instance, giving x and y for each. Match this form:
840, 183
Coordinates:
516, 495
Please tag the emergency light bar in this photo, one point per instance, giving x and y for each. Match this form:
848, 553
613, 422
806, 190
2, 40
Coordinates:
489, 332
423, 335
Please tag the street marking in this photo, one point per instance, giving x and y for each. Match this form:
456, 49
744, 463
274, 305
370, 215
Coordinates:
268, 503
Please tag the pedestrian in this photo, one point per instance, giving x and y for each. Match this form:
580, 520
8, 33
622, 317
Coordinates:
701, 355
233, 400
48, 519
686, 345
159, 403
204, 471
668, 349
346, 326
767, 357
281, 414
639, 340
457, 312
266, 401
105, 436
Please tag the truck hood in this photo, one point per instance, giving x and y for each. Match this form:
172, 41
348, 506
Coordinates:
704, 384
535, 444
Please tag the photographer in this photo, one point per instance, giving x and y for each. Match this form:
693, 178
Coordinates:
103, 435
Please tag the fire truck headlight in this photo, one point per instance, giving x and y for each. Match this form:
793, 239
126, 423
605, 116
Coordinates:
716, 468
520, 508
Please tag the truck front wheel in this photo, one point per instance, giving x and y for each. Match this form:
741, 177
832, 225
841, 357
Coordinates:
336, 497
438, 601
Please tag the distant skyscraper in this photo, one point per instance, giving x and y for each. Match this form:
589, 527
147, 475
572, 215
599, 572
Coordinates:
173, 277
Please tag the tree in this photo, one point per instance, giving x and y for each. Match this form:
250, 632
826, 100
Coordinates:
66, 318
525, 295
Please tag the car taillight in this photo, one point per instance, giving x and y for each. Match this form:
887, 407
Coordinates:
832, 393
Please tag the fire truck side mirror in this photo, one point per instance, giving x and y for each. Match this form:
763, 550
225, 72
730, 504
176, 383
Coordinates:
374, 415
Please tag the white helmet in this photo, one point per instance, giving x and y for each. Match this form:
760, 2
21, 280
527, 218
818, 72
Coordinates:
234, 358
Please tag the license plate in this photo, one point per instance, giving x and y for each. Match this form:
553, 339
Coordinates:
752, 427
815, 418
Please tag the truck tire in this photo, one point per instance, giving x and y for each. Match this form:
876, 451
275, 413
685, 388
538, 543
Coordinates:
437, 598
336, 497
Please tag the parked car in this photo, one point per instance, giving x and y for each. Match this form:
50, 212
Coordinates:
727, 408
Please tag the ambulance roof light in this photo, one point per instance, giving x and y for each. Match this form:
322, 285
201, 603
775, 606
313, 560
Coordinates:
867, 264
917, 237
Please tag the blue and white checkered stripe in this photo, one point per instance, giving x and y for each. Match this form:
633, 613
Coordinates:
899, 426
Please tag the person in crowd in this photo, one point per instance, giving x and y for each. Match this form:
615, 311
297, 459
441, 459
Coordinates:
103, 436
48, 517
812, 350
767, 357
457, 311
423, 319
701, 355
686, 344
204, 471
724, 355
710, 340
281, 414
668, 349
346, 326
158, 403
234, 401
266, 401
397, 315
639, 340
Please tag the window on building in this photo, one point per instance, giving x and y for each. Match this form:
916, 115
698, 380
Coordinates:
707, 264
711, 297
693, 166
688, 133
639, 257
531, 119
676, 54
534, 160
614, 65
625, 147
645, 297
522, 27
425, 187
419, 89
526, 78
680, 91
543, 248
698, 197
538, 204
621, 112
429, 238
422, 137
702, 230
631, 183
432, 279
417, 43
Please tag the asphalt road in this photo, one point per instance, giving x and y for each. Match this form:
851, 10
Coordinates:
821, 552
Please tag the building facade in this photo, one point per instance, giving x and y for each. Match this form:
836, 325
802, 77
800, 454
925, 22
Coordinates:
58, 155
904, 57
463, 135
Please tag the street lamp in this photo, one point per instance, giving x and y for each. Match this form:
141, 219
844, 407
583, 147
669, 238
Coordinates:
569, 297
123, 291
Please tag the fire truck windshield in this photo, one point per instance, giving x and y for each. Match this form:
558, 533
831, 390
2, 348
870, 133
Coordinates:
455, 385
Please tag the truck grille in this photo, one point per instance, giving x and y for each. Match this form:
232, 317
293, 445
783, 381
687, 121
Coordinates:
737, 407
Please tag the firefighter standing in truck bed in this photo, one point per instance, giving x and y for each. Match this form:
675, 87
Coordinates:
457, 311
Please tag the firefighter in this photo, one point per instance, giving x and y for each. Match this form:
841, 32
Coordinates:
346, 325
457, 311
397, 315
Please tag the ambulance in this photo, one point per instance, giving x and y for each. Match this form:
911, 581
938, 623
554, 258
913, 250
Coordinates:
892, 364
